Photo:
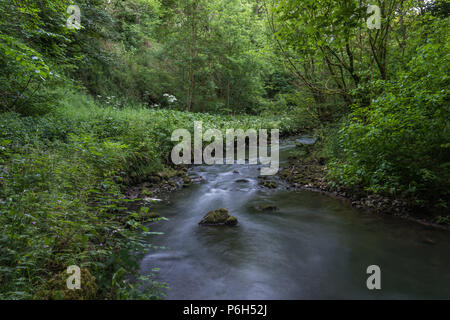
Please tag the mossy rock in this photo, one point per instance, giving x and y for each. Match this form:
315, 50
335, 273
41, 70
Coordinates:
171, 173
154, 179
285, 173
268, 184
163, 175
187, 181
219, 217
181, 171
231, 221
56, 288
172, 183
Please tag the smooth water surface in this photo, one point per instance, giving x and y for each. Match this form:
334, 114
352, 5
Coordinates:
314, 247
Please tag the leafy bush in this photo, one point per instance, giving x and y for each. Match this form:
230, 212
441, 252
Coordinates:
399, 145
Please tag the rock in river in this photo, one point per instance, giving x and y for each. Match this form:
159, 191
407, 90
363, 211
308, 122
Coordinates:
219, 217
266, 208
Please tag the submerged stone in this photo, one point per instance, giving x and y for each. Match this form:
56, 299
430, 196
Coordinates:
267, 208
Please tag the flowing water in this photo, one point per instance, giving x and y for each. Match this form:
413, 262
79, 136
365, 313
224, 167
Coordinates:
313, 247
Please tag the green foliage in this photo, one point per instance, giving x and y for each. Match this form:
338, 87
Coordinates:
61, 204
203, 56
61, 198
33, 39
213, 50
24, 71
335, 57
399, 145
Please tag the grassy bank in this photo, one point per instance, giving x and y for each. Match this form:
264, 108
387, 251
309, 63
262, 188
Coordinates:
62, 182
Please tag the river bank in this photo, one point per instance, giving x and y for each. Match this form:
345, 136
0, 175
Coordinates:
308, 172
305, 172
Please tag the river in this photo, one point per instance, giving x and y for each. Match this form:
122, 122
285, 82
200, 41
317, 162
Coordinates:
313, 247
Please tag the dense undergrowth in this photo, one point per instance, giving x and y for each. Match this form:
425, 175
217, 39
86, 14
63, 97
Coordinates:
398, 146
62, 183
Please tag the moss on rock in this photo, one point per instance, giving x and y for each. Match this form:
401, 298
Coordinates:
219, 217
231, 221
187, 181
268, 184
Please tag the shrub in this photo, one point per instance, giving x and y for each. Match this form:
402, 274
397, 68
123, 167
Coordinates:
399, 145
